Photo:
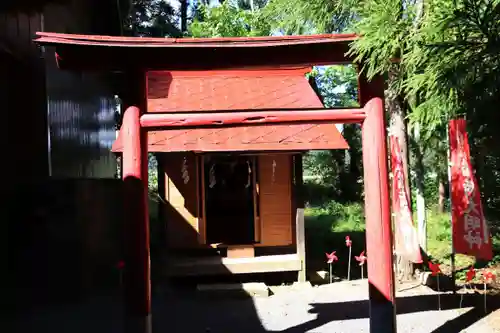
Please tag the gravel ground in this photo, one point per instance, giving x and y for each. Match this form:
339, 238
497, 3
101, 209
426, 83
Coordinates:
339, 307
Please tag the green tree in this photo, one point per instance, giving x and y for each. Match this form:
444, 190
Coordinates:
338, 170
456, 72
228, 20
152, 18
310, 16
386, 27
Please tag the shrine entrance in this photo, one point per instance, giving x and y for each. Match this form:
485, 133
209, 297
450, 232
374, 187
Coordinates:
158, 117
229, 202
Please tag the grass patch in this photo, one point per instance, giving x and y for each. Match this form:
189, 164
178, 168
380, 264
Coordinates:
337, 217
327, 226
439, 241
326, 229
439, 246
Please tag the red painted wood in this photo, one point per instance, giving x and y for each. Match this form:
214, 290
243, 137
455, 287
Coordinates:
183, 42
259, 72
131, 143
377, 208
137, 263
277, 137
254, 117
109, 53
225, 91
231, 90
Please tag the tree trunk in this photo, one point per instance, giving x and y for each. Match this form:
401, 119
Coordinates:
441, 194
397, 113
351, 172
184, 9
419, 176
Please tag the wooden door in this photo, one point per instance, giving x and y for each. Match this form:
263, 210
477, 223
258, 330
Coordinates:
275, 199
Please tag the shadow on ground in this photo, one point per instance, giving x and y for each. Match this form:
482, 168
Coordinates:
329, 312
48, 295
186, 312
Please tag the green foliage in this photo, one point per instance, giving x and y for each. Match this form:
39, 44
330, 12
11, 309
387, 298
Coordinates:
385, 27
454, 63
338, 217
439, 230
152, 18
336, 173
152, 173
247, 4
439, 241
431, 190
338, 85
228, 20
321, 168
309, 16
326, 229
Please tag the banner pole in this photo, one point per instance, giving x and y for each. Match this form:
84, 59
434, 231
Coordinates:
452, 257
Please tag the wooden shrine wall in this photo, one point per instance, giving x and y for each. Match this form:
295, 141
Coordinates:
182, 211
275, 199
181, 204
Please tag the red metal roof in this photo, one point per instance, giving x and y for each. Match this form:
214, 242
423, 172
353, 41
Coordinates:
236, 90
125, 53
230, 90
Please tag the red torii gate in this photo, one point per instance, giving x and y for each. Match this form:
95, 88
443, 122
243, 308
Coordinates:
139, 55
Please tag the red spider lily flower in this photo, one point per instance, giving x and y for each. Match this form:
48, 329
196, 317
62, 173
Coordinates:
434, 268
470, 275
361, 258
120, 265
348, 241
331, 257
488, 277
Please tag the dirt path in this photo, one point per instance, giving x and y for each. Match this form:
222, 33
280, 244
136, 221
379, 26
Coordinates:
340, 307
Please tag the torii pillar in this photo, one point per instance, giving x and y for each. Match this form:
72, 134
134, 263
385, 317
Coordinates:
137, 279
377, 207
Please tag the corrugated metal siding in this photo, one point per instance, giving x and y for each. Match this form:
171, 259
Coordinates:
82, 126
80, 107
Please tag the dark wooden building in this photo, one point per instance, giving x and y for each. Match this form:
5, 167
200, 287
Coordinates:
60, 127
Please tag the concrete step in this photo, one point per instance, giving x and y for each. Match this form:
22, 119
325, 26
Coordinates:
253, 289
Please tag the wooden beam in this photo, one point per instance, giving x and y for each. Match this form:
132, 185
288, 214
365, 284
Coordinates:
255, 195
224, 266
378, 219
300, 232
83, 55
301, 243
176, 120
